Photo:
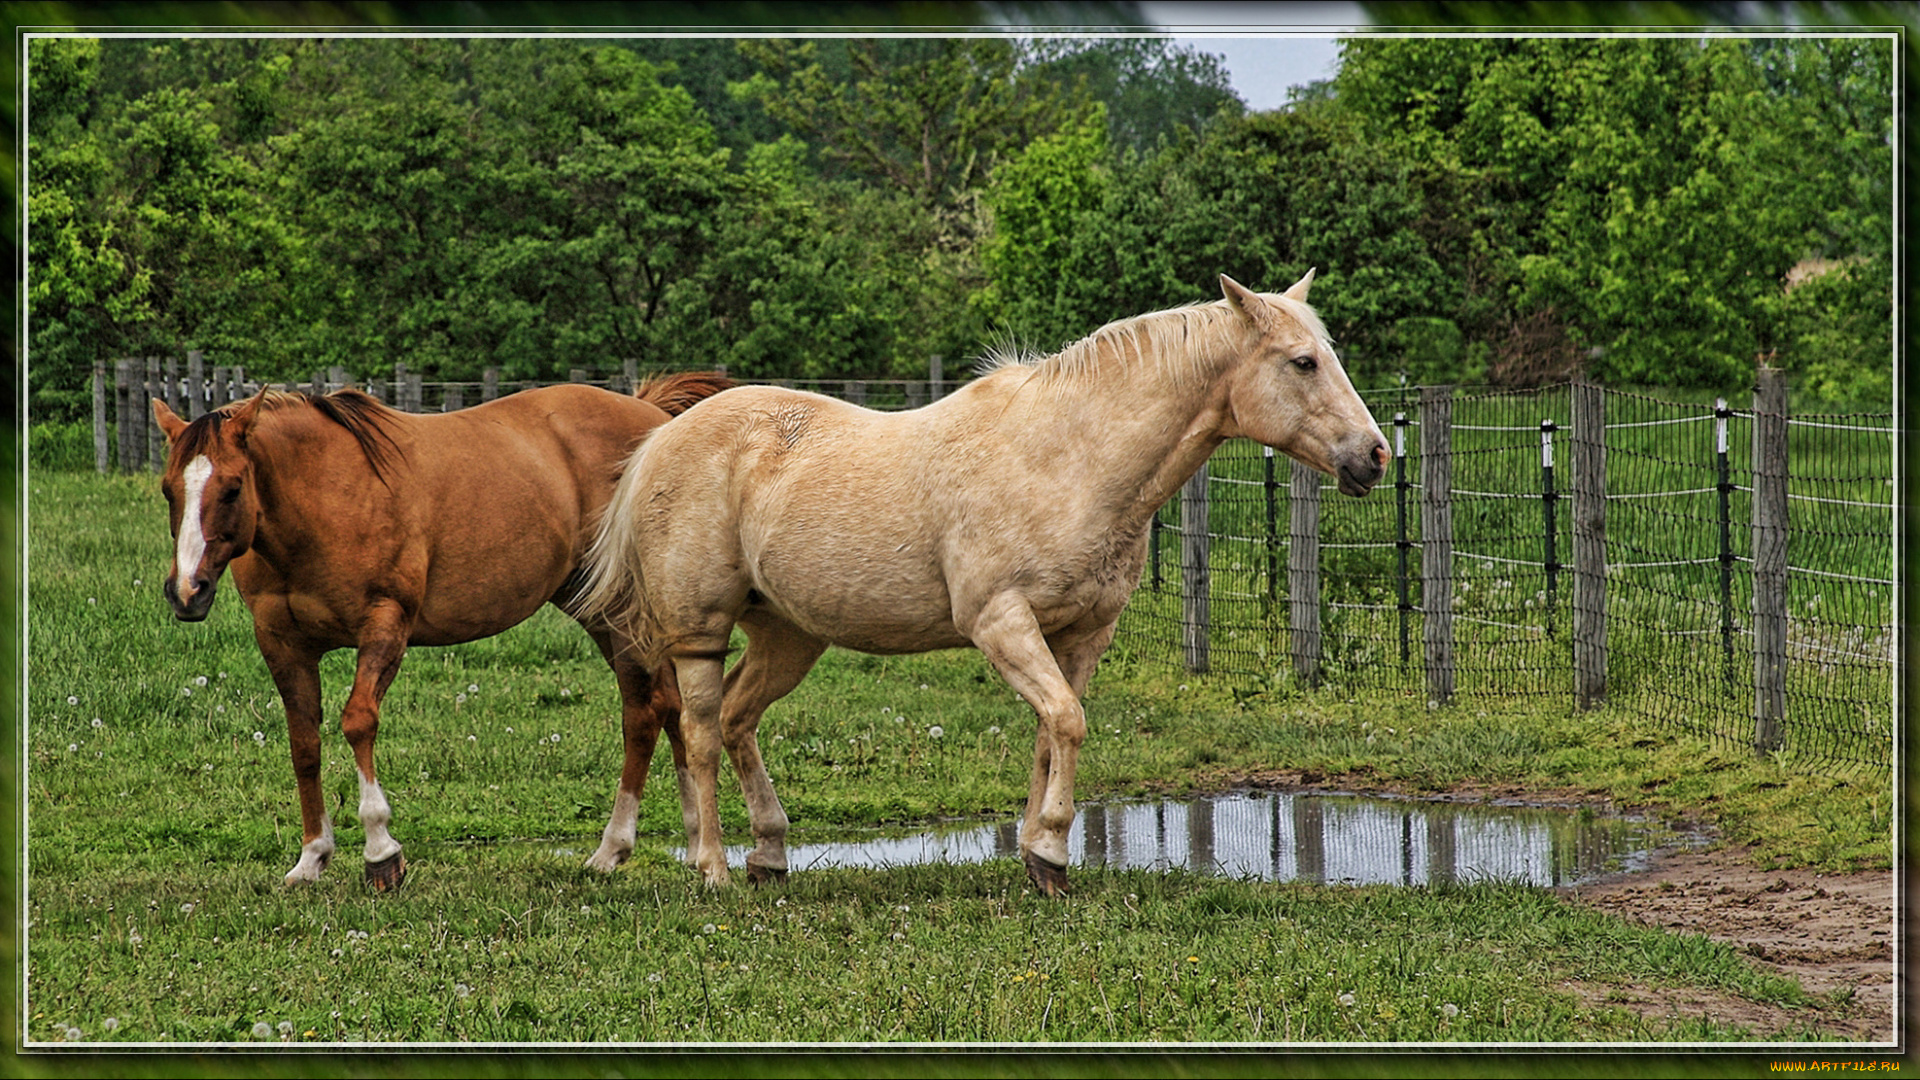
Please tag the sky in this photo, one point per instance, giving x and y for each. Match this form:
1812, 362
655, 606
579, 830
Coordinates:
1268, 48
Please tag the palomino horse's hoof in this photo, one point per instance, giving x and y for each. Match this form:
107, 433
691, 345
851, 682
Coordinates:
766, 875
387, 874
1051, 880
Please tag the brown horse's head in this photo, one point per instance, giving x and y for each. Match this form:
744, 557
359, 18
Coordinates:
1289, 391
211, 503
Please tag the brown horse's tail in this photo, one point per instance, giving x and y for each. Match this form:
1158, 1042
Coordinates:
681, 391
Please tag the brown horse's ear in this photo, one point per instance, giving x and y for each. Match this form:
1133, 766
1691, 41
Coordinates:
1299, 289
241, 421
170, 425
1244, 300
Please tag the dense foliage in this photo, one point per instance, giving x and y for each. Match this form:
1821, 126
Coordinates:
1648, 210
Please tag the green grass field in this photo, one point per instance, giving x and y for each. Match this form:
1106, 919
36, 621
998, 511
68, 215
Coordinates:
160, 817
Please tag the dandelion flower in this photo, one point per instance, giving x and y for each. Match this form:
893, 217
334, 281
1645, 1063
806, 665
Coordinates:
259, 736
72, 700
459, 699
1450, 1010
935, 732
1345, 999
186, 691
73, 748
994, 730
707, 929
110, 1024
97, 725
286, 1027
261, 1029
74, 1034
461, 990
473, 688
555, 737
566, 692
200, 680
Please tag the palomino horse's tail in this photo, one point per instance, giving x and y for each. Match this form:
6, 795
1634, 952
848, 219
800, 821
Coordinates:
681, 391
612, 593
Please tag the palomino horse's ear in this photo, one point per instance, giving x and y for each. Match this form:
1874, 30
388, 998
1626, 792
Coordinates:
170, 425
1299, 290
1243, 300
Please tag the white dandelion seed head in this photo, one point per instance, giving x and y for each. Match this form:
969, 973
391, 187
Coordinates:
199, 680
286, 1027
73, 747
473, 688
566, 692
186, 691
1450, 1010
708, 929
261, 1030
111, 1023
97, 723
994, 730
259, 736
459, 699
935, 732
221, 709
555, 737
72, 700
1346, 999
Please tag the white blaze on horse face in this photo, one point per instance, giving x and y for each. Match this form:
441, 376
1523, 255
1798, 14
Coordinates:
192, 546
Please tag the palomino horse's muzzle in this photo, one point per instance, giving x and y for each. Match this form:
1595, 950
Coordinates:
1358, 473
194, 609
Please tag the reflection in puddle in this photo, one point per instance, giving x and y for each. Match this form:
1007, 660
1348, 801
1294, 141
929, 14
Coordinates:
1281, 836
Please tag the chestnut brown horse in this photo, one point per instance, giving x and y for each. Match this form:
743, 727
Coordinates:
347, 524
1012, 516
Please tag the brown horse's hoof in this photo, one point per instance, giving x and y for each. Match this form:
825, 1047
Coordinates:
386, 875
765, 875
1051, 880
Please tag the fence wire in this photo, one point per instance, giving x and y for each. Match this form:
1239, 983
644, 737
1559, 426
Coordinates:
1679, 581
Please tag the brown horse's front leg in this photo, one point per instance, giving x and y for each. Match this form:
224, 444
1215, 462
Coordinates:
649, 703
383, 643
297, 675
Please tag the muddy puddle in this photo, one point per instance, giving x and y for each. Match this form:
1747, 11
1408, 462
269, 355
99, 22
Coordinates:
1293, 836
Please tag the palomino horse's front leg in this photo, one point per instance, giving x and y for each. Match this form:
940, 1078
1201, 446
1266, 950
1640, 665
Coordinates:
383, 643
649, 703
297, 675
1008, 634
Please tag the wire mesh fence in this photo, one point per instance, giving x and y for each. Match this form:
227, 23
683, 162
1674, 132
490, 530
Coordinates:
1725, 568
1679, 630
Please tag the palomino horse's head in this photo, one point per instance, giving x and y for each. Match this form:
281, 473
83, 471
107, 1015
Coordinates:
1289, 391
211, 503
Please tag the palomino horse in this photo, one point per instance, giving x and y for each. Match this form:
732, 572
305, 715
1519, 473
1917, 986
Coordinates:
350, 525
1012, 516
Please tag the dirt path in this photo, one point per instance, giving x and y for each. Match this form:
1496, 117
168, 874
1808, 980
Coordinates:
1835, 933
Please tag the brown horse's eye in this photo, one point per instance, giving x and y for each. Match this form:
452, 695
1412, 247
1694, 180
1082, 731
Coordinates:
1306, 363
230, 496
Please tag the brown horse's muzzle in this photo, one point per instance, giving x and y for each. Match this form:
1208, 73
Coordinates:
195, 608
1358, 473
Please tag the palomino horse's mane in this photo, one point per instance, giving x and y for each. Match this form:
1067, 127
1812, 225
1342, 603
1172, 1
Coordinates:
1177, 337
358, 412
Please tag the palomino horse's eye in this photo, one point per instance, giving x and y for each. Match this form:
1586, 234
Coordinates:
1306, 363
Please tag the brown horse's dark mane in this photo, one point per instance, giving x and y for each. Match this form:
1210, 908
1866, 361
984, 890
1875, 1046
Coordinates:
357, 411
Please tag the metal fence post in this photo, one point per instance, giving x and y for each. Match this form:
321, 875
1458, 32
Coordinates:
1589, 546
1548, 499
1196, 584
1769, 558
1303, 573
1270, 488
1402, 544
1436, 538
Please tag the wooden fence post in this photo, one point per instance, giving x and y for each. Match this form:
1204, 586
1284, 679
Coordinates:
490, 382
1589, 545
1436, 539
196, 385
453, 399
1196, 578
855, 392
936, 376
123, 412
1303, 573
155, 440
101, 457
413, 397
338, 379
172, 396
1769, 559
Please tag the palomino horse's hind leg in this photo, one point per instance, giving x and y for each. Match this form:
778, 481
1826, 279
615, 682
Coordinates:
383, 642
649, 703
297, 677
702, 685
778, 657
1008, 634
